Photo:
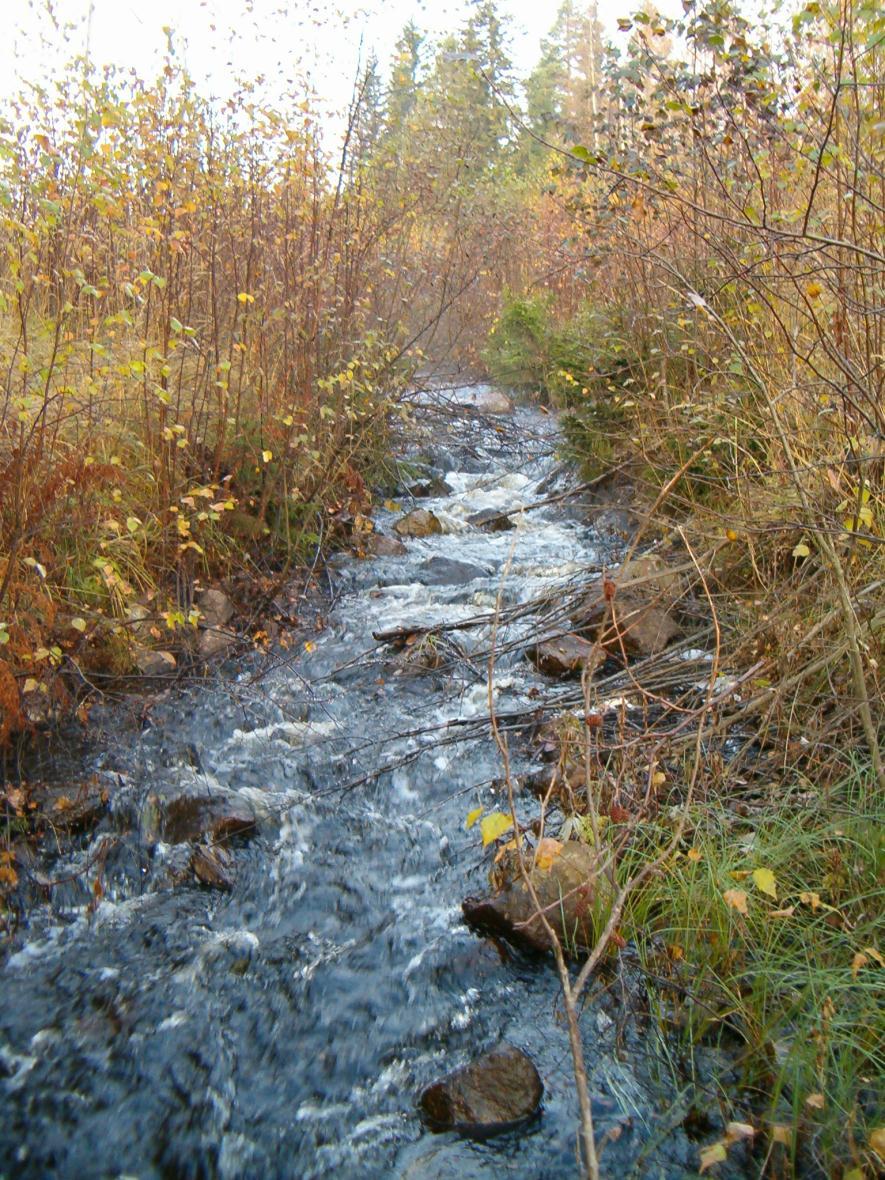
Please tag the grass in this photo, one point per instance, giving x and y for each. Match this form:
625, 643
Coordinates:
795, 982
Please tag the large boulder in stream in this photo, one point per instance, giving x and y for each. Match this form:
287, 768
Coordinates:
492, 1094
380, 545
568, 655
448, 571
197, 815
491, 401
571, 888
419, 523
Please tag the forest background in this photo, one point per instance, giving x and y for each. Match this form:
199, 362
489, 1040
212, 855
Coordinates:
209, 313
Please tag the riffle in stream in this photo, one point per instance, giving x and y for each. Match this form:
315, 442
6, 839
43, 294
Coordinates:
287, 1028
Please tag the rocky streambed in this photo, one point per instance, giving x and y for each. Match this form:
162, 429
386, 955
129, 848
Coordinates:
258, 963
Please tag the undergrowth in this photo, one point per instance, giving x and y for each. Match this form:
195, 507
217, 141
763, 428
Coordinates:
765, 932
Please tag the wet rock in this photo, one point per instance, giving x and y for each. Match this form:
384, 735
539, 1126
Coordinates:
71, 809
570, 890
489, 1095
419, 523
213, 866
379, 545
432, 485
491, 401
177, 819
447, 571
567, 656
215, 642
490, 520
154, 663
216, 608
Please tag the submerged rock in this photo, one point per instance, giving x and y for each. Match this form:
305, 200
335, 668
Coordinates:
567, 656
571, 891
197, 816
489, 1095
419, 523
490, 520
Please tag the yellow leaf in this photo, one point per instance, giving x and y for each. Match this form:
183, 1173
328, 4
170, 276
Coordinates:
739, 874
30, 685
801, 550
267, 456
309, 647
877, 1141
547, 852
658, 778
860, 960
737, 899
731, 534
78, 624
693, 855
493, 826
812, 899
715, 1154
814, 290
782, 1133
244, 297
472, 817
133, 524
787, 912
815, 1101
874, 954
764, 881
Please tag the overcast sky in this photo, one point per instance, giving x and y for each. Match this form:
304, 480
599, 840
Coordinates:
220, 39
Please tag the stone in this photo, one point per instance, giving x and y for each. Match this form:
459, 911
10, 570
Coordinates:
646, 588
150, 662
491, 520
570, 889
448, 571
567, 656
213, 866
216, 608
493, 1093
418, 523
491, 401
176, 819
141, 622
215, 642
432, 485
642, 629
379, 545
70, 809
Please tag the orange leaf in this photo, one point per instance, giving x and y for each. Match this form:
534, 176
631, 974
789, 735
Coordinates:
737, 899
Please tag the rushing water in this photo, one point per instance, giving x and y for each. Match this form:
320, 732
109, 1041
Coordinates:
286, 1029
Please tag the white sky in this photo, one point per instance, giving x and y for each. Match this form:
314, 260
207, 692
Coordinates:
221, 39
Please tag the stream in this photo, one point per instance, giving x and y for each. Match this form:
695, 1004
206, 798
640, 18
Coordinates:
287, 1028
